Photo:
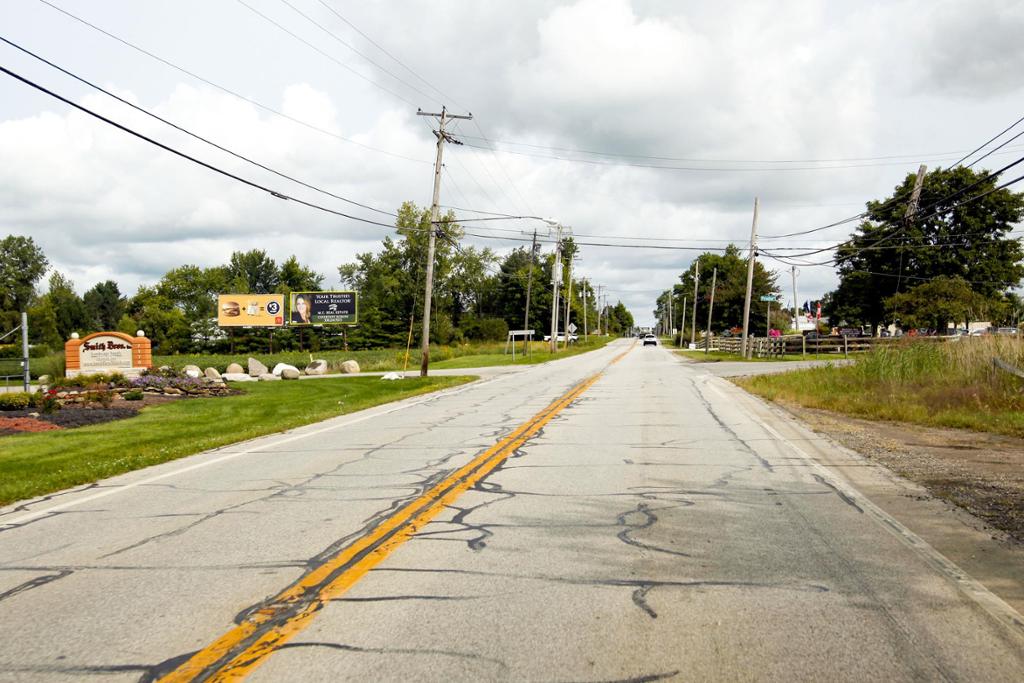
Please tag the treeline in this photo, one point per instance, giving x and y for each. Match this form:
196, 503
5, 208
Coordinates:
477, 296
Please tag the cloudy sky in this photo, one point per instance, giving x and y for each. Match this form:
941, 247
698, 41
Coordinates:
813, 107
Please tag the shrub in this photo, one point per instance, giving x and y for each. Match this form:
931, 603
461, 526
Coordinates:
133, 395
46, 401
114, 379
15, 401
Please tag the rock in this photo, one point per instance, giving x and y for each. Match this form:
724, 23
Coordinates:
192, 371
211, 373
349, 367
237, 377
290, 373
45, 379
172, 391
235, 369
257, 368
317, 367
163, 369
269, 377
280, 367
390, 375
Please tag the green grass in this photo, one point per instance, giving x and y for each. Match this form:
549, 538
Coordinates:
377, 360
949, 384
540, 352
37, 464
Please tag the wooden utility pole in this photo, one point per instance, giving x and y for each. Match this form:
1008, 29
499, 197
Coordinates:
696, 281
586, 330
529, 286
908, 218
796, 305
682, 326
568, 307
750, 281
711, 307
442, 137
671, 322
556, 279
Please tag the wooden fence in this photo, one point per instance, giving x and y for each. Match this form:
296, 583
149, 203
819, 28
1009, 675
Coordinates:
798, 345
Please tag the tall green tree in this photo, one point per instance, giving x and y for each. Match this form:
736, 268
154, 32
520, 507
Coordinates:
941, 302
68, 309
104, 305
950, 237
22, 265
730, 292
254, 271
295, 277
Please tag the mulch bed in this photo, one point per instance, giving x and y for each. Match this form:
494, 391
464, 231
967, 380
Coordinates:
68, 417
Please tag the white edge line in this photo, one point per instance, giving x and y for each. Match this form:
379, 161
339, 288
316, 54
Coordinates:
971, 587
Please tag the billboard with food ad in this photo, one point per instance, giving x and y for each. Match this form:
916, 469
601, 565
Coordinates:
250, 310
323, 308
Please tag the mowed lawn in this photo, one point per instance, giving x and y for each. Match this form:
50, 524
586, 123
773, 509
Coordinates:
36, 464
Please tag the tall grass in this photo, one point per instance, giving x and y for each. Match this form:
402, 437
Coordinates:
953, 384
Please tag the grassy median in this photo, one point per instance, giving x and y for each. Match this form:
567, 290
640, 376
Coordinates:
37, 464
951, 384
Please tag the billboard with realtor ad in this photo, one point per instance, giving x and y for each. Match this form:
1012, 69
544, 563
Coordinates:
323, 308
250, 310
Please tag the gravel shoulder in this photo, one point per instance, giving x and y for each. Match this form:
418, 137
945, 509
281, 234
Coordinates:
979, 472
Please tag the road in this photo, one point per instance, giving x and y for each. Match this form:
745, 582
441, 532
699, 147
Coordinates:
618, 515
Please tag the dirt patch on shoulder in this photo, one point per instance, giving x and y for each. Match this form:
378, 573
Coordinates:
982, 473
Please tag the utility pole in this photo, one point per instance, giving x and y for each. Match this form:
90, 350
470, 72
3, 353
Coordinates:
671, 325
529, 286
711, 307
908, 218
696, 280
796, 306
682, 326
556, 279
586, 330
442, 137
568, 307
750, 281
600, 311
26, 376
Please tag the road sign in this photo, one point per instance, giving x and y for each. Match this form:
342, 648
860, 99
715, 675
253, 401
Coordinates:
767, 297
572, 328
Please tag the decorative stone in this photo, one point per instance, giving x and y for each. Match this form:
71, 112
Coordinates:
280, 367
317, 367
390, 375
290, 373
45, 379
192, 371
237, 377
172, 391
349, 367
269, 377
234, 368
257, 368
211, 373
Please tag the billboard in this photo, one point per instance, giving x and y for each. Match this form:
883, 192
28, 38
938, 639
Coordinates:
323, 308
250, 310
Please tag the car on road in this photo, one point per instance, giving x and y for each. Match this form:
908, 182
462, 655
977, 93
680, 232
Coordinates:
561, 338
650, 340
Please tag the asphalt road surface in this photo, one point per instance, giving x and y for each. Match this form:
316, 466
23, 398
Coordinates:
614, 516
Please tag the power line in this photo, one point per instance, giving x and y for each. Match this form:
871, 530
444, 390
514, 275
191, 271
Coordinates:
225, 89
190, 133
188, 157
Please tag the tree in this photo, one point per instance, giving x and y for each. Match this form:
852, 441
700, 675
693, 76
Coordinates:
950, 237
254, 271
22, 264
620, 320
193, 290
944, 300
68, 309
156, 315
104, 305
730, 291
294, 277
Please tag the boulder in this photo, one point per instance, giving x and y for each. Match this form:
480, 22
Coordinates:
211, 373
270, 377
45, 380
235, 369
237, 377
257, 368
349, 367
192, 371
391, 376
280, 367
317, 367
290, 373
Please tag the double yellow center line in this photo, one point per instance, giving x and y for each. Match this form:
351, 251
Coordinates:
243, 648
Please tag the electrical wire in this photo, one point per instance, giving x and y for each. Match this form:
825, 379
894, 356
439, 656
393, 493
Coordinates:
182, 129
188, 157
227, 90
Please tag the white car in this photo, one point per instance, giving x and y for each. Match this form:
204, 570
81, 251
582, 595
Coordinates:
650, 340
